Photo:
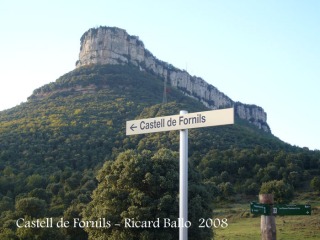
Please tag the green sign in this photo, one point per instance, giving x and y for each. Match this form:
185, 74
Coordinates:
280, 209
259, 208
287, 209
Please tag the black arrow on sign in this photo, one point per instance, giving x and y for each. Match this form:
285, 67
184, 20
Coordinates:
133, 127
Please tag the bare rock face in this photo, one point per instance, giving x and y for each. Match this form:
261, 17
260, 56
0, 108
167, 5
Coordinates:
110, 45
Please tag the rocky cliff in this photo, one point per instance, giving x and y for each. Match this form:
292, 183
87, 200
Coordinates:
110, 45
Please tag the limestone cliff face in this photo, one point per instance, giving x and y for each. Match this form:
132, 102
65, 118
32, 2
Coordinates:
110, 45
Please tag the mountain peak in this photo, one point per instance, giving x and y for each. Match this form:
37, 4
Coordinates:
112, 45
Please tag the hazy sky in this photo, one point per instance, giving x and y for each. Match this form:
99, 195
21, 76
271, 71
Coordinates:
257, 52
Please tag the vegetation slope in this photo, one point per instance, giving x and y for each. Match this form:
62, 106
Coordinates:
53, 146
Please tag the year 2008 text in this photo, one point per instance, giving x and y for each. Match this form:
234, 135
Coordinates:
213, 222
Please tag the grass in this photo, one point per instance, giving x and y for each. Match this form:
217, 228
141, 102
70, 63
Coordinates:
242, 225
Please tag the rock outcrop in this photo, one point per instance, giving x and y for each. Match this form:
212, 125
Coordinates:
110, 45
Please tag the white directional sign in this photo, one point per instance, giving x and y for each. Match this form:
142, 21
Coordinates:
178, 122
182, 122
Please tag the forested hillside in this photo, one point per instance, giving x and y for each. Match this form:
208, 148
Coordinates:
58, 149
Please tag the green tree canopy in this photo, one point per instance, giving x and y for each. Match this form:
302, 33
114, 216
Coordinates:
31, 206
315, 183
282, 192
145, 187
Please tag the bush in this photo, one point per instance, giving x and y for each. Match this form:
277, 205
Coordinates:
31, 206
282, 192
315, 183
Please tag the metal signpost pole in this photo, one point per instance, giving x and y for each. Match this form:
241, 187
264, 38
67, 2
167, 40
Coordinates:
183, 183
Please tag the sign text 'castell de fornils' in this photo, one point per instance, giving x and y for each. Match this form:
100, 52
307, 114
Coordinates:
178, 122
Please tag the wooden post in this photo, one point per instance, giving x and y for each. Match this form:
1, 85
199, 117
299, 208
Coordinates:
268, 223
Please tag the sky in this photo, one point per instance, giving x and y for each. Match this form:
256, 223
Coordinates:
257, 52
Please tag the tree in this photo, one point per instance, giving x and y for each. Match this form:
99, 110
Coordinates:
145, 187
315, 183
35, 181
31, 206
7, 234
74, 233
282, 192
250, 187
